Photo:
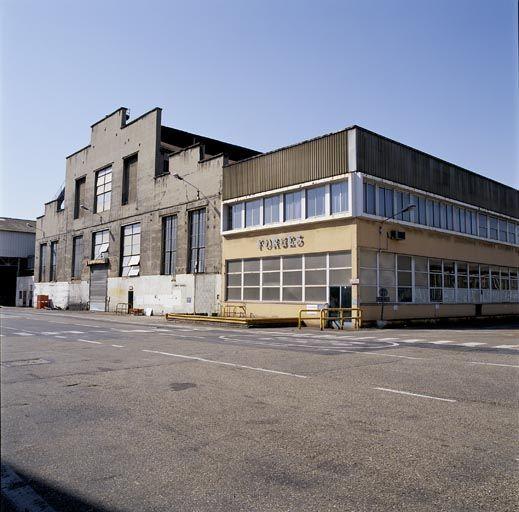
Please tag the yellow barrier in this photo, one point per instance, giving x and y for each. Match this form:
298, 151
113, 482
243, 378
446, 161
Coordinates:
355, 316
233, 310
314, 316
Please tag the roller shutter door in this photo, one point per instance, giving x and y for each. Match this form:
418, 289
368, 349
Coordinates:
98, 285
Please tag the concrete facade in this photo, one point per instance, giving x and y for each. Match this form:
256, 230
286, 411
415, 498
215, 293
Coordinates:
176, 173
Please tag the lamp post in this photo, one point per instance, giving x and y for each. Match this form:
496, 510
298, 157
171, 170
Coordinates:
380, 226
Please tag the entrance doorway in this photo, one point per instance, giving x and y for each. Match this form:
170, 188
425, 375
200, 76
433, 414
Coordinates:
340, 297
98, 286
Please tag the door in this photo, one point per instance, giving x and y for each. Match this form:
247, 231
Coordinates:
98, 286
340, 297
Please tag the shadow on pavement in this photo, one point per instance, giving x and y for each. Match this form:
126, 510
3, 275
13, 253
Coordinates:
59, 499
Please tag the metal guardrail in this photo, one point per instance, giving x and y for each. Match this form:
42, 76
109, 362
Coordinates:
324, 316
233, 310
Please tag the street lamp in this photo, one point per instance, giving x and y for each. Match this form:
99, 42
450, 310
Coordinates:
180, 178
403, 210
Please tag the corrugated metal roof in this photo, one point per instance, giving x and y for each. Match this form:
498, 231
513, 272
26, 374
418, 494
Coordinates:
18, 225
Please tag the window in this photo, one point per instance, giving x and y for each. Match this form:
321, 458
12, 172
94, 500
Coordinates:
103, 190
129, 179
236, 216
456, 218
402, 201
422, 212
483, 228
474, 277
77, 256
385, 202
493, 228
435, 281
293, 201
473, 223
292, 278
315, 201
436, 215
450, 219
443, 216
462, 221
511, 233
405, 278
339, 197
197, 227
79, 197
271, 209
53, 260
169, 244
251, 279
131, 250
43, 262
253, 213
271, 279
449, 274
100, 244
234, 279
369, 198
502, 230
430, 212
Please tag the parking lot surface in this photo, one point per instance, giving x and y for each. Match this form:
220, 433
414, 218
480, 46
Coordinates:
122, 414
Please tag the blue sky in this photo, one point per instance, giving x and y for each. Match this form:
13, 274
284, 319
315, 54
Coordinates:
439, 75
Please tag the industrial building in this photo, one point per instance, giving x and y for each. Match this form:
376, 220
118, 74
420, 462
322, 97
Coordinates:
17, 238
138, 221
354, 219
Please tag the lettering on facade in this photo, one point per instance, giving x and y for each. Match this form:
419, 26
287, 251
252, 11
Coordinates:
284, 242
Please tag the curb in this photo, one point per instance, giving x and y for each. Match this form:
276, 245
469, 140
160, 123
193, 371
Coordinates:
20, 495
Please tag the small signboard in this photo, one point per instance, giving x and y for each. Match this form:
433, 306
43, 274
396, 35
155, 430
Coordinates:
355, 280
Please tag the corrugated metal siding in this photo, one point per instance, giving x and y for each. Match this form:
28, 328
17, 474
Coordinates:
315, 159
16, 245
390, 160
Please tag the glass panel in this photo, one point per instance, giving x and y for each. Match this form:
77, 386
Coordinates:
271, 209
293, 202
421, 280
340, 259
404, 262
271, 264
252, 265
292, 262
315, 261
387, 278
483, 228
234, 280
251, 294
368, 294
234, 294
234, 266
316, 277
368, 276
293, 294
252, 213
294, 277
340, 277
271, 278
369, 198
315, 294
315, 201
270, 294
251, 279
339, 199
368, 259
405, 279
236, 216
405, 295
387, 260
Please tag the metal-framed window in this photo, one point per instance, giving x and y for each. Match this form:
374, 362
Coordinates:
169, 244
196, 250
100, 243
131, 250
339, 197
77, 255
53, 260
293, 205
43, 263
103, 193
316, 201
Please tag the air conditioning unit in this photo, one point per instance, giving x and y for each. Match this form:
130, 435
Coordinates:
396, 235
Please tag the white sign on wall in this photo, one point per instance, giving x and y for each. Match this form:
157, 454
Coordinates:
281, 242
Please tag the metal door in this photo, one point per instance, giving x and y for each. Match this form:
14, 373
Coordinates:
98, 286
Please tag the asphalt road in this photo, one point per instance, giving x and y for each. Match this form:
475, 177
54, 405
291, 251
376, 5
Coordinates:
125, 414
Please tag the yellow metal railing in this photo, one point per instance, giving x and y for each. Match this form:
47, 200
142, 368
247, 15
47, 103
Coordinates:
312, 314
233, 310
354, 316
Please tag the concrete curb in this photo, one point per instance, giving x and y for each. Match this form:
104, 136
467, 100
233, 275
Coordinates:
20, 495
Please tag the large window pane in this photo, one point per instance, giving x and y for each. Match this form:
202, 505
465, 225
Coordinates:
103, 190
293, 204
236, 216
169, 243
315, 201
196, 251
293, 293
77, 256
339, 197
369, 198
271, 209
130, 257
315, 294
340, 259
253, 213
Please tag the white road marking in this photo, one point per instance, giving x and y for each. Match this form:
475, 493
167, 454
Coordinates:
10, 328
387, 339
63, 337
412, 341
74, 332
90, 341
100, 331
201, 359
471, 344
495, 364
507, 346
118, 346
415, 394
442, 342
50, 333
132, 330
23, 333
